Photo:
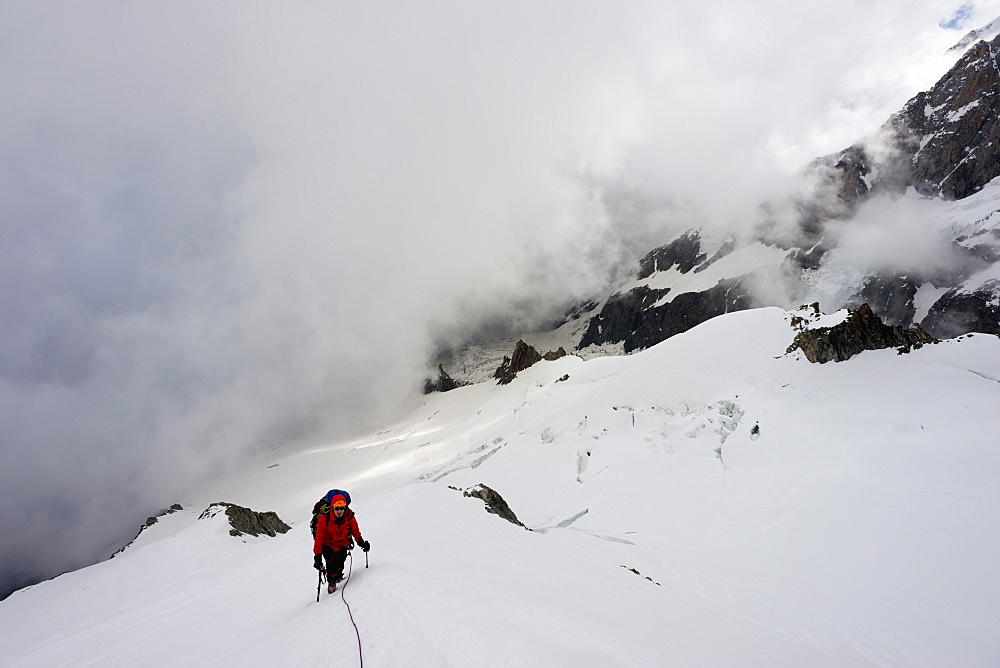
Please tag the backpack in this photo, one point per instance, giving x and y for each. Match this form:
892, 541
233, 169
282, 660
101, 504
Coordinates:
322, 507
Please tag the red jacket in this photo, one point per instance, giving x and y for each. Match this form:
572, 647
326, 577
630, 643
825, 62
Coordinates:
335, 533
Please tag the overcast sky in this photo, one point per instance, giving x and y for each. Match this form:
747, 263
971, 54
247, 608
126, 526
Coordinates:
227, 224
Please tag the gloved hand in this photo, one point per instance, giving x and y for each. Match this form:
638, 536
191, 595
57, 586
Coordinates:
318, 562
365, 545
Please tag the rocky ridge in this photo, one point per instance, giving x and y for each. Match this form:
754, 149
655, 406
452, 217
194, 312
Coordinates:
150, 521
861, 330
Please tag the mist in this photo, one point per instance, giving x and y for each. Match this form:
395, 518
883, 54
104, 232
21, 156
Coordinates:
229, 226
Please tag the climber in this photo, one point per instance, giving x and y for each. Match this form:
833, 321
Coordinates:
334, 531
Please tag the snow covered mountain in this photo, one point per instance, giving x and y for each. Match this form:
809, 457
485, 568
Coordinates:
710, 498
709, 501
907, 220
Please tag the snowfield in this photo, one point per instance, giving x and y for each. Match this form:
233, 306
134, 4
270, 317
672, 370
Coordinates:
709, 501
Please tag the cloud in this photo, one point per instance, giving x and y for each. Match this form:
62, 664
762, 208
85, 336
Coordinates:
225, 226
900, 236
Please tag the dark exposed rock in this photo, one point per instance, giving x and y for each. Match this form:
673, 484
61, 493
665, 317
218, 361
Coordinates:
987, 252
811, 258
853, 167
689, 310
957, 312
576, 312
890, 298
943, 142
683, 252
862, 330
502, 369
443, 383
633, 320
799, 322
494, 503
523, 357
959, 119
553, 355
622, 315
246, 521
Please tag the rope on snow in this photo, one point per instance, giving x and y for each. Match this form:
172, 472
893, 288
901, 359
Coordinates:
350, 568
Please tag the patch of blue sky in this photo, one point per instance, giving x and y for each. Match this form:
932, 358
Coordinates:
959, 18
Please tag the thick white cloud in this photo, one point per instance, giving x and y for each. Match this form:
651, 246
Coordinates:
228, 224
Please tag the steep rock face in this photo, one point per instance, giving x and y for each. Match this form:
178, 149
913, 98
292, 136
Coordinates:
862, 330
622, 315
944, 142
957, 125
958, 312
890, 297
633, 319
684, 252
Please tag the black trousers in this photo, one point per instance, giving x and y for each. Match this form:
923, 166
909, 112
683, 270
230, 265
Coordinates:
334, 562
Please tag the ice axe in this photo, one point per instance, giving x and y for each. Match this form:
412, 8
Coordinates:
319, 585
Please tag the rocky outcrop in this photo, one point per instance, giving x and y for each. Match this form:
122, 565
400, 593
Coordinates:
523, 357
553, 355
246, 521
862, 330
443, 383
494, 503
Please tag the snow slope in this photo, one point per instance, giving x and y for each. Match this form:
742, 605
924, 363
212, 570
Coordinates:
857, 525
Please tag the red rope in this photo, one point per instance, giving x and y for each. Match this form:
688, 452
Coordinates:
361, 657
